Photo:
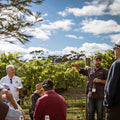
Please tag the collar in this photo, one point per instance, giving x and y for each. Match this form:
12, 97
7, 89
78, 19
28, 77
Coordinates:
50, 91
98, 68
9, 77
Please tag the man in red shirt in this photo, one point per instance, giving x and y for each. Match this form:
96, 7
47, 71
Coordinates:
51, 105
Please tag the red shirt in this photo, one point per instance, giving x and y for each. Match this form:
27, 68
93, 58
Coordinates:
51, 104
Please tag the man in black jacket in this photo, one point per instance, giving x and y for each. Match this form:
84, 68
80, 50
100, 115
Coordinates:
112, 88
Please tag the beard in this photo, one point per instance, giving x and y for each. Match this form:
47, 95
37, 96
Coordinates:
97, 65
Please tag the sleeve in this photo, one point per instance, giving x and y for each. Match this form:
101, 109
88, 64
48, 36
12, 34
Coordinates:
33, 101
111, 84
2, 80
32, 108
84, 71
20, 83
105, 74
13, 114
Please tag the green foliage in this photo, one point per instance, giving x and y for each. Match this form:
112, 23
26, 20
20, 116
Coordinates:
14, 18
33, 72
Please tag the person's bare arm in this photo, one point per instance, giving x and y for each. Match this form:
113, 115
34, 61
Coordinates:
13, 102
76, 66
96, 80
19, 89
11, 99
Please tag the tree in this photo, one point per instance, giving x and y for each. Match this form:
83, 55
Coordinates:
64, 77
37, 54
13, 18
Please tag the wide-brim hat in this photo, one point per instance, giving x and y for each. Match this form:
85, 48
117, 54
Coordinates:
38, 88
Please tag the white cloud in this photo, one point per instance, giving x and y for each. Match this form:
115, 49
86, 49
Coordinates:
85, 11
92, 48
32, 18
44, 15
30, 49
45, 31
115, 38
94, 8
75, 37
100, 26
68, 49
115, 7
63, 24
64, 13
89, 48
38, 33
8, 47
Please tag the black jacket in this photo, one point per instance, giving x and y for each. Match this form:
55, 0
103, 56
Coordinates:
112, 86
34, 97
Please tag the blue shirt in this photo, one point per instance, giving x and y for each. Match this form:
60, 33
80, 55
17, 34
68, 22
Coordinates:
13, 114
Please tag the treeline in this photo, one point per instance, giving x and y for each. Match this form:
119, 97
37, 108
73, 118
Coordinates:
35, 71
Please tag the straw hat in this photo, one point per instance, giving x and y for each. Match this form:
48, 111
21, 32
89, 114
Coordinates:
38, 88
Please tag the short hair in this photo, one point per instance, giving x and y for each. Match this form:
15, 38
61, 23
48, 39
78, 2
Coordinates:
8, 66
48, 84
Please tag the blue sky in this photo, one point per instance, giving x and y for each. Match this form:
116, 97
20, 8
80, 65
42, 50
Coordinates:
79, 25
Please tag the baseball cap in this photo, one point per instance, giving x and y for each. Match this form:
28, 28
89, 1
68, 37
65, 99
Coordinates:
47, 83
97, 57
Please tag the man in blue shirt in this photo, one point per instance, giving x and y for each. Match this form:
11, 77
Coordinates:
7, 112
112, 88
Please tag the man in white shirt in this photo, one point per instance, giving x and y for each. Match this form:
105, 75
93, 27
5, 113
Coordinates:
13, 82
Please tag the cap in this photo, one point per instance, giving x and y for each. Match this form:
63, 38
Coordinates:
97, 57
48, 83
117, 44
38, 88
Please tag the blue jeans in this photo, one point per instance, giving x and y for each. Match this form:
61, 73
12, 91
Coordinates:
95, 104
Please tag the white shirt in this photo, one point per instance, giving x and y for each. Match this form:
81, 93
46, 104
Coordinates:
13, 114
16, 82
